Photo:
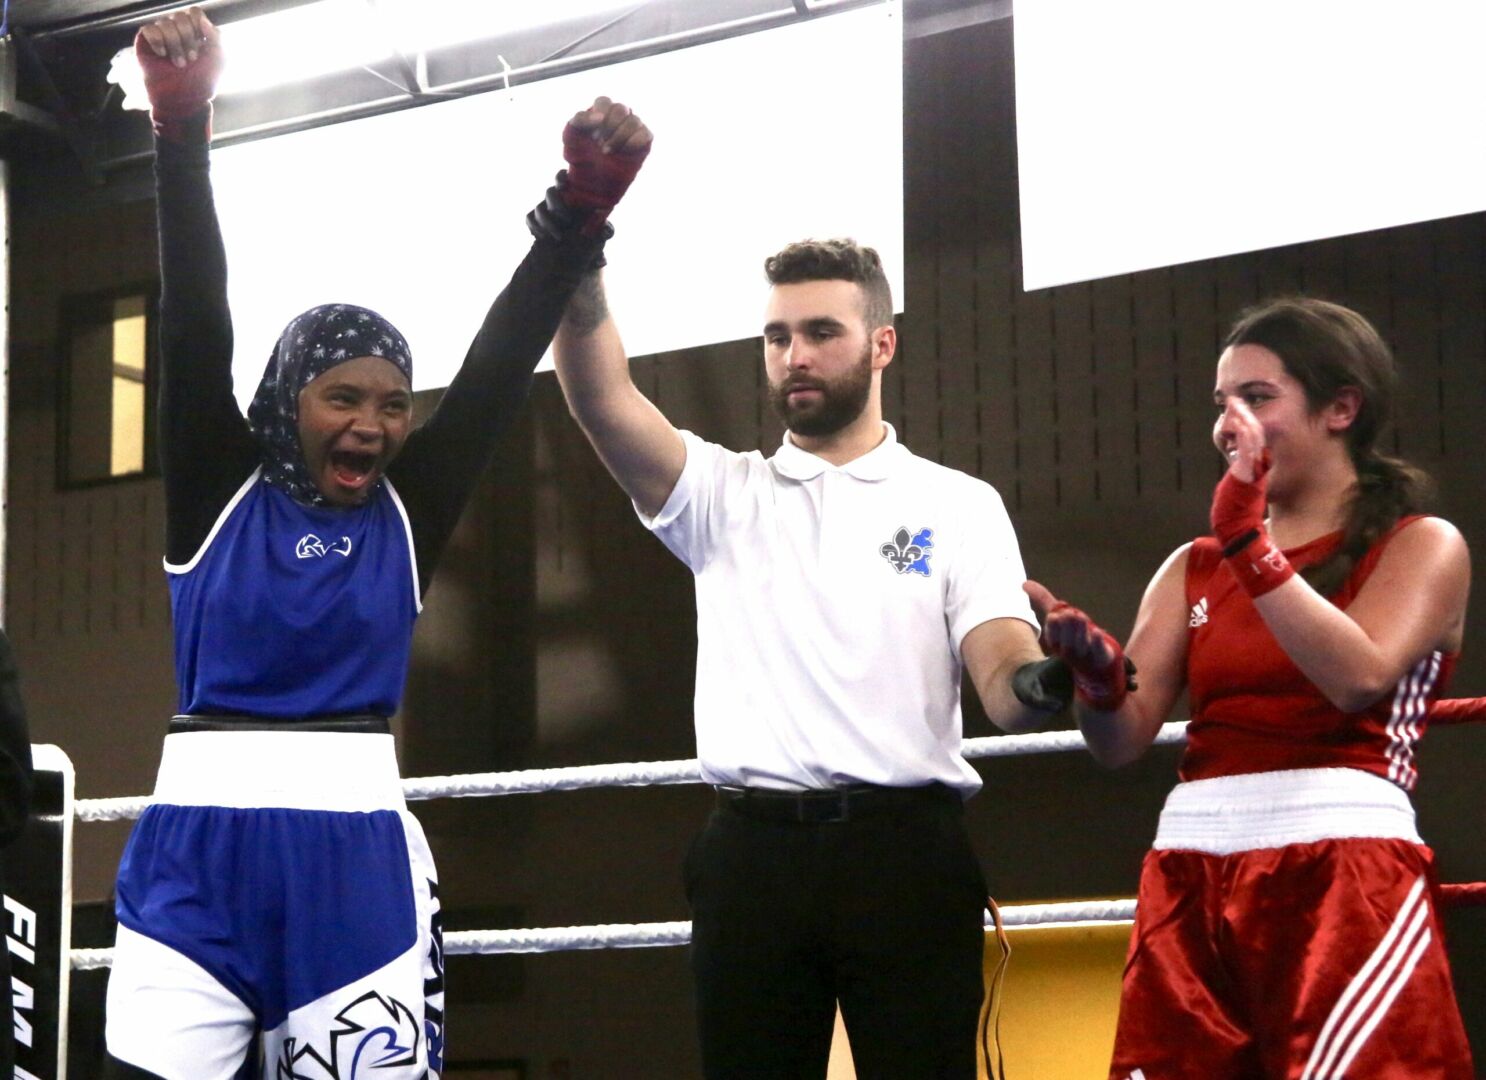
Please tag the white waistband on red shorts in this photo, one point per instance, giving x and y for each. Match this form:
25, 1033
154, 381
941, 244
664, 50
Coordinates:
1228, 814
297, 770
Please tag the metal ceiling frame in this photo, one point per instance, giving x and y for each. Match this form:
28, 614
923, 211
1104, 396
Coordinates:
406, 75
105, 147
502, 75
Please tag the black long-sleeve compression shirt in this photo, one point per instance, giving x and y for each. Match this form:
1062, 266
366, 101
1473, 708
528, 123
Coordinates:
207, 450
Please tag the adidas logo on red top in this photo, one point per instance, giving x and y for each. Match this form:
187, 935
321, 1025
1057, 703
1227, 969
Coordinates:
1199, 614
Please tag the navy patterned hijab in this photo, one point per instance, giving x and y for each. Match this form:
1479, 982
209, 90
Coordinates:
313, 343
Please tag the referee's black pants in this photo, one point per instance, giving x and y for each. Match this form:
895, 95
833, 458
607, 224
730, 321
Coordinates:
882, 912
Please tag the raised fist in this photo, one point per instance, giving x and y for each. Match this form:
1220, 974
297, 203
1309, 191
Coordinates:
181, 57
605, 145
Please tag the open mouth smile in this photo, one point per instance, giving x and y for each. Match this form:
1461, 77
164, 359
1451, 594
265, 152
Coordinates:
353, 469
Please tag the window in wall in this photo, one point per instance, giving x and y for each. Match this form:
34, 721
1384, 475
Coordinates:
106, 431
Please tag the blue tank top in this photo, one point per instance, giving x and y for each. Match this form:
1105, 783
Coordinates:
292, 611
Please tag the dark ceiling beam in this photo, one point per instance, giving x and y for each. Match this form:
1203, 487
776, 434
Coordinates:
62, 18
924, 18
12, 109
72, 17
53, 104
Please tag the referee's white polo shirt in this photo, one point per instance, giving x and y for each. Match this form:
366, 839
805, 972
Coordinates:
831, 603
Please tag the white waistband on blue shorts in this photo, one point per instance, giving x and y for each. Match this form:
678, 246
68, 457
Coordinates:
1228, 814
297, 770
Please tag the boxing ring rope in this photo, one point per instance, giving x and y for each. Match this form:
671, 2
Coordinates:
660, 934
655, 773
644, 774
632, 774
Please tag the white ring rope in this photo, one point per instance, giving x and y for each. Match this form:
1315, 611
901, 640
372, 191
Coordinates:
631, 774
647, 935
646, 774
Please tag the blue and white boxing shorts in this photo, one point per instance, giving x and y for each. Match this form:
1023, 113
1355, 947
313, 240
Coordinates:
278, 885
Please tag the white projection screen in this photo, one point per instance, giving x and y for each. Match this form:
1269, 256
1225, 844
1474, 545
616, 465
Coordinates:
760, 140
1156, 132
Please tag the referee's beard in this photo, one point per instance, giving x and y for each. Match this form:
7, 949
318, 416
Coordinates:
841, 401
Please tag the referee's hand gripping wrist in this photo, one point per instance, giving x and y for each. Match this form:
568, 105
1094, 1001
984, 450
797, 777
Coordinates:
1045, 685
555, 220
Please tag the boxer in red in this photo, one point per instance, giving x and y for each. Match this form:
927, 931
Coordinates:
1286, 922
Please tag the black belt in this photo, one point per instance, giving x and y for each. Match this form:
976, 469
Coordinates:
360, 724
824, 805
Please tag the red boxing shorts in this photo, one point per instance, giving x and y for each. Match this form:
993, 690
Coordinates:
1314, 958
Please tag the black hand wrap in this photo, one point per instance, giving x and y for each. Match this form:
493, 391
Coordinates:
1047, 685
553, 219
1044, 685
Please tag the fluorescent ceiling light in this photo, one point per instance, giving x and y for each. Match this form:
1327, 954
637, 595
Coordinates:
328, 36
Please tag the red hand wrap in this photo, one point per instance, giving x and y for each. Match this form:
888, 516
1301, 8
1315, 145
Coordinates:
180, 98
1102, 687
1259, 566
1238, 523
1238, 505
597, 180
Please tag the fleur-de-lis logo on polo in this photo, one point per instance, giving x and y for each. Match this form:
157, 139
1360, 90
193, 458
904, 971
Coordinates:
910, 552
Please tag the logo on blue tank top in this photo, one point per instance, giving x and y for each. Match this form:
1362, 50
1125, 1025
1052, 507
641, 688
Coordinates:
311, 546
908, 552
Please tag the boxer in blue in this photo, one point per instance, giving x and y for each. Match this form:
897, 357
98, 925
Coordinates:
277, 887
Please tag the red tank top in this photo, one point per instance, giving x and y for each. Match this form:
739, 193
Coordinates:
1253, 710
